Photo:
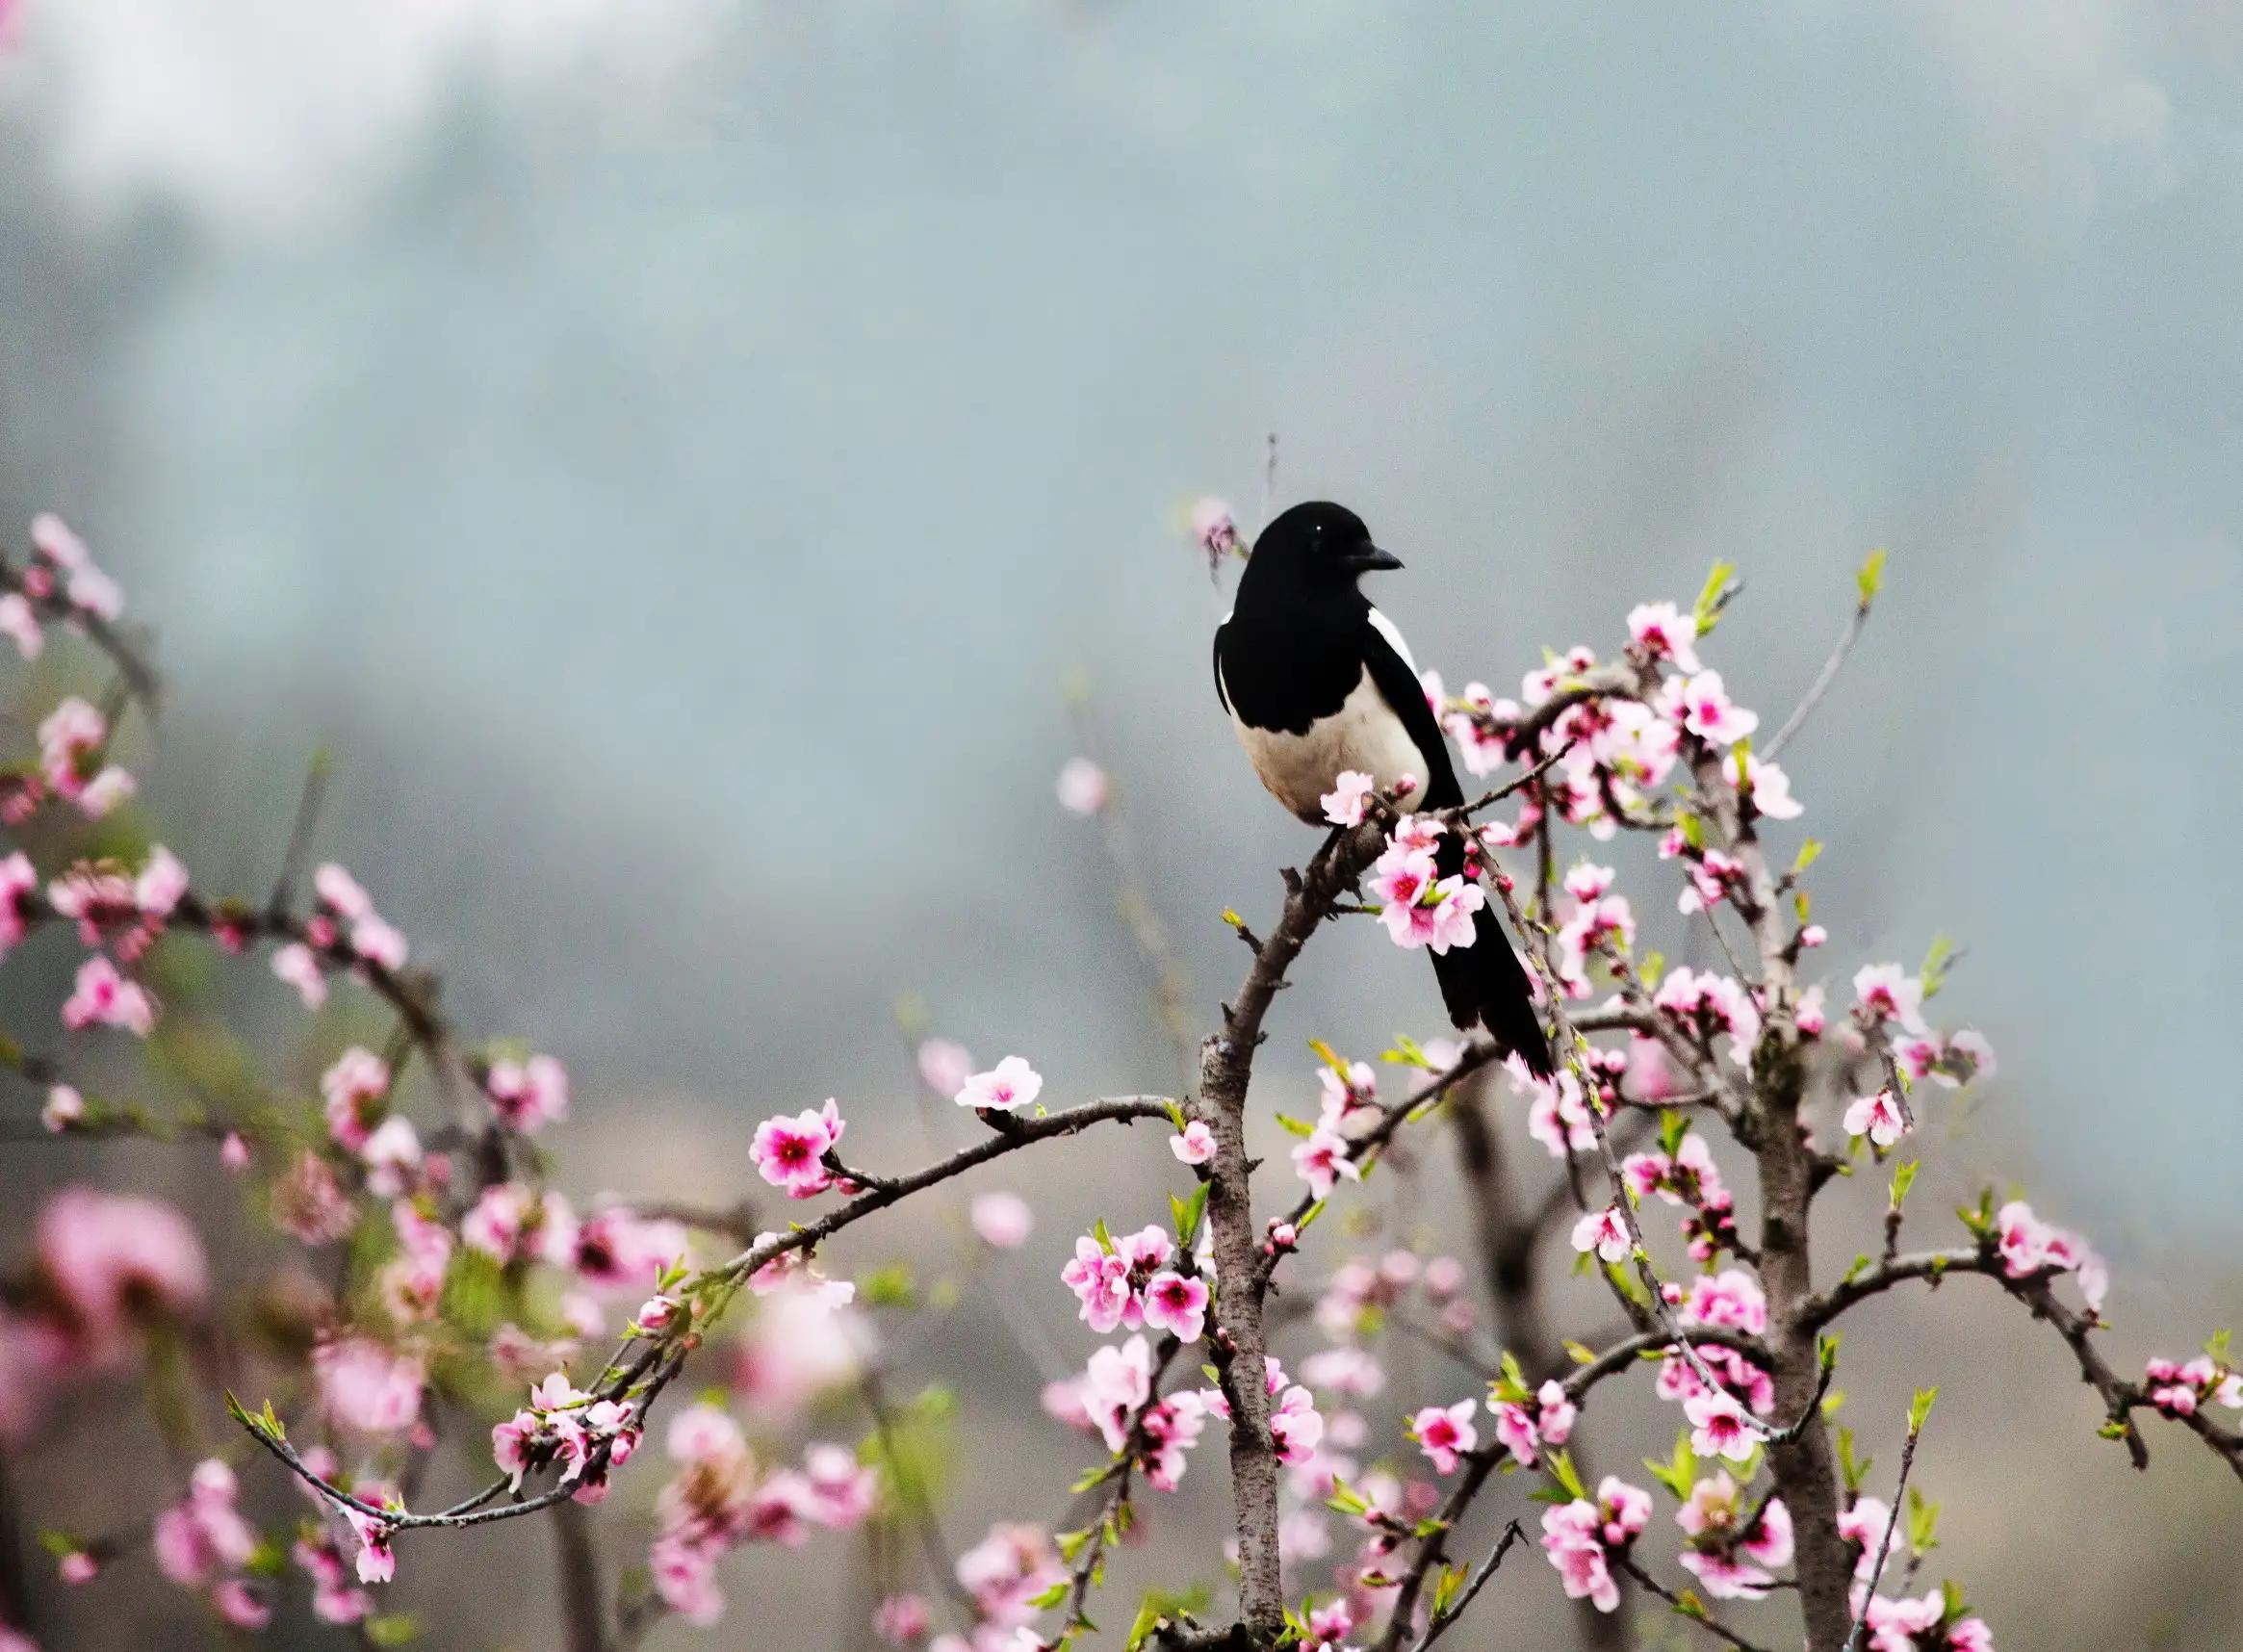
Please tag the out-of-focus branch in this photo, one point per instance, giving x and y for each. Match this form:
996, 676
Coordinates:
583, 1605
1828, 675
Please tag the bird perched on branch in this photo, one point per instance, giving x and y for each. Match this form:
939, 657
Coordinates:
1318, 682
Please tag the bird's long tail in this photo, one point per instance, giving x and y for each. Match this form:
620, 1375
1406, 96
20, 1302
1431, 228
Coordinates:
1486, 983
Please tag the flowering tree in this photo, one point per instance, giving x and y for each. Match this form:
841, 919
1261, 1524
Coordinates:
463, 1285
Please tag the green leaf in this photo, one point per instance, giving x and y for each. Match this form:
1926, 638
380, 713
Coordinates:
1809, 853
1051, 1597
889, 1286
1920, 1408
1187, 1213
1936, 963
1679, 1472
393, 1628
1345, 1499
1713, 596
1688, 1604
1446, 1588
1581, 1354
1869, 580
1561, 1470
1293, 1127
1904, 1179
1854, 1469
1922, 1523
1149, 1618
1103, 1234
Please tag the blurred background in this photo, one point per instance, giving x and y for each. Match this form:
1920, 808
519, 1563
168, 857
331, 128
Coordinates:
680, 458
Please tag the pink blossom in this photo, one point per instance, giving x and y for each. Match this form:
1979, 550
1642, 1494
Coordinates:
1002, 1220
115, 1259
1732, 1298
791, 1152
1011, 1085
1604, 1232
1100, 1283
356, 1088
1885, 992
392, 1156
527, 1094
203, 1537
2029, 1246
1214, 530
161, 884
77, 1569
1176, 1302
1117, 1380
1624, 1510
1007, 1570
19, 623
297, 966
1555, 1115
902, 1620
308, 1201
233, 1152
1446, 1434
376, 1562
104, 997
1082, 787
1193, 1144
1863, 1524
1718, 1426
341, 893
63, 1108
378, 941
1771, 790
1420, 910
1296, 1427
1343, 804
18, 883
1322, 1158
367, 1388
1573, 1542
1711, 1005
1329, 1625
72, 741
1877, 1116
1702, 704
1666, 633
805, 1340
240, 1605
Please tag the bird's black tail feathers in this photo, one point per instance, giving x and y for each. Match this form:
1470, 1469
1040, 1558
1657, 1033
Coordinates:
1485, 982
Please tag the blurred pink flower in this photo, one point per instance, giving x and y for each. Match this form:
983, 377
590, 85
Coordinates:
1002, 1220
1082, 787
115, 1260
367, 1388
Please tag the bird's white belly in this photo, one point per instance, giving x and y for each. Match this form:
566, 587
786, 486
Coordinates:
1363, 734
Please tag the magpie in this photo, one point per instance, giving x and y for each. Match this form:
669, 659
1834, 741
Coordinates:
1318, 681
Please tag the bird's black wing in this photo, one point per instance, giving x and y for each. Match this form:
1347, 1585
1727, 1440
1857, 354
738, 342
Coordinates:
1399, 687
1220, 695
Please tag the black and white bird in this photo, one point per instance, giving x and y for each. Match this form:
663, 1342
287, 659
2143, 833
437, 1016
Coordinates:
1317, 681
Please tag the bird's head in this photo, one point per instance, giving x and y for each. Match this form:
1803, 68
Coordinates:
1318, 545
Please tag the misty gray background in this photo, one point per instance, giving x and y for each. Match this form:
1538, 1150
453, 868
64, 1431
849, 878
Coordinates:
675, 456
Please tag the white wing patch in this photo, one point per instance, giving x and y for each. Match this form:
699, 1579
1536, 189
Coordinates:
1392, 632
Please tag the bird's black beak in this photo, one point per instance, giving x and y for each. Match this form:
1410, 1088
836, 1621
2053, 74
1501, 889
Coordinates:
1370, 560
